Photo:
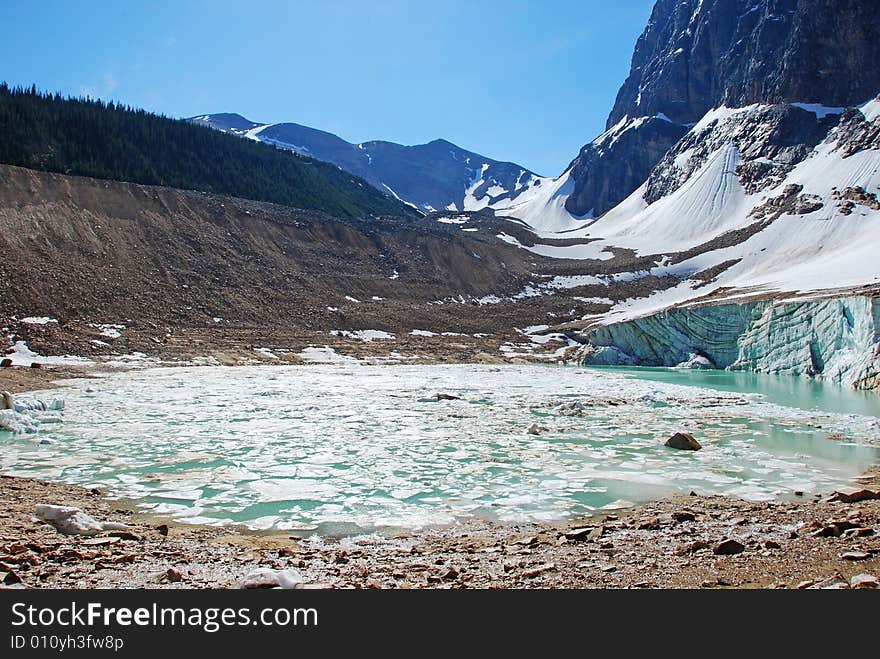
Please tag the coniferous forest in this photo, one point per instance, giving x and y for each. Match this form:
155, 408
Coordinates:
87, 137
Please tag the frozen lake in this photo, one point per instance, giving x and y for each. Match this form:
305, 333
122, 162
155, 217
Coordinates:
351, 448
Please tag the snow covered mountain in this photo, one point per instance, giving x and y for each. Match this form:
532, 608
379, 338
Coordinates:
696, 55
742, 164
431, 177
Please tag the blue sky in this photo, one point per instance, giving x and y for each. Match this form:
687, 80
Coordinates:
526, 81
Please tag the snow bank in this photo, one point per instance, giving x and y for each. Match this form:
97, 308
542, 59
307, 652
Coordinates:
325, 355
364, 335
21, 355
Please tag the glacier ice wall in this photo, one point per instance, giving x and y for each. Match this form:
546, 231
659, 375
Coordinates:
833, 339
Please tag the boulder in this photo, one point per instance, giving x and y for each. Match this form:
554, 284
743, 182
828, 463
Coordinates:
835, 582
683, 441
441, 396
5, 362
729, 547
268, 578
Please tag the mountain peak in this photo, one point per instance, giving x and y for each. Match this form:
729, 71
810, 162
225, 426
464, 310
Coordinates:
696, 55
230, 120
437, 176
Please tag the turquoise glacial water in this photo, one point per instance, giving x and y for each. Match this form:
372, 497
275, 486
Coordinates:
351, 448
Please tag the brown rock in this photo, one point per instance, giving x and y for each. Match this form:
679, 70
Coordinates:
683, 441
5, 362
527, 541
830, 531
844, 524
855, 556
579, 533
36, 365
540, 569
100, 541
853, 495
864, 581
10, 578
683, 516
691, 547
441, 396
858, 532
729, 547
450, 575
835, 582
173, 575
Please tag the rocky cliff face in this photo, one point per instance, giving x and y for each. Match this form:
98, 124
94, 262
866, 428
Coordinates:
771, 140
617, 162
696, 55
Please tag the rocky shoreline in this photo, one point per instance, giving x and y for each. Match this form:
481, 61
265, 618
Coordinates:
684, 542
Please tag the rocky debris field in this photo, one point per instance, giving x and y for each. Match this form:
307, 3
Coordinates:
687, 542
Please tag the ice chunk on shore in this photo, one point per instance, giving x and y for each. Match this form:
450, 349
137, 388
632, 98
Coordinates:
73, 521
15, 422
25, 416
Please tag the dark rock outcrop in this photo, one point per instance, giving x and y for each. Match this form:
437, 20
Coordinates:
696, 55
699, 54
609, 169
771, 141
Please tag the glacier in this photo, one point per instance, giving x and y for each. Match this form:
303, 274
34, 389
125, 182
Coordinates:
836, 339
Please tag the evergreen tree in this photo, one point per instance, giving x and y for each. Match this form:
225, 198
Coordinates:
87, 137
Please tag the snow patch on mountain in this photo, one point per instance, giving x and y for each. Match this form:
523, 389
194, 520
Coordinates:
542, 206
